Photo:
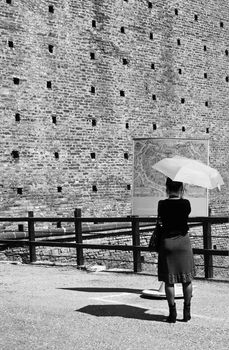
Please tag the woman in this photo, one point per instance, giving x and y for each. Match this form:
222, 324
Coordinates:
175, 259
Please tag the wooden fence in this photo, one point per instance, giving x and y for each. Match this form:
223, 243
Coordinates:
134, 222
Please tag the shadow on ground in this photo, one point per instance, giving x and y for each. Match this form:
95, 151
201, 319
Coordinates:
105, 290
116, 290
121, 310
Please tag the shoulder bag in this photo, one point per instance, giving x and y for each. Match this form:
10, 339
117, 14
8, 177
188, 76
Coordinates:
155, 239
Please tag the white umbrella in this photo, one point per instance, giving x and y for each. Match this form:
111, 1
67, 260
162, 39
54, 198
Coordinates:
190, 171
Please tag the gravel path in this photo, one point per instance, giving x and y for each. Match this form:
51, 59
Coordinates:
65, 308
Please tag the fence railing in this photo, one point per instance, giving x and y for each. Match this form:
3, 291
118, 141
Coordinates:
134, 222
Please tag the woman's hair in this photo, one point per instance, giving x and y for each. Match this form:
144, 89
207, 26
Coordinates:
174, 186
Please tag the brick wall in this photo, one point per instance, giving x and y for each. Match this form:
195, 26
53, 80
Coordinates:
81, 79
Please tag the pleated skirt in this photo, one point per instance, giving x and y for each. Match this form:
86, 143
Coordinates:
175, 260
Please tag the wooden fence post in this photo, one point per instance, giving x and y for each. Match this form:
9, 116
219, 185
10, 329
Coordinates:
31, 232
136, 242
207, 242
79, 238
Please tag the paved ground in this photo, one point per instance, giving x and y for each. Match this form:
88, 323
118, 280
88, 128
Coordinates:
64, 308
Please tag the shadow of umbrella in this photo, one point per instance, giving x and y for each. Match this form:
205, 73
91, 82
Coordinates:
121, 310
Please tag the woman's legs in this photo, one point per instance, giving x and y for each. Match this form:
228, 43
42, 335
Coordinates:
170, 296
170, 293
187, 291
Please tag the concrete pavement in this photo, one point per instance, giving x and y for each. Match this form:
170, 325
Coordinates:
45, 307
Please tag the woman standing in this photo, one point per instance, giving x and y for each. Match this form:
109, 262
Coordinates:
175, 259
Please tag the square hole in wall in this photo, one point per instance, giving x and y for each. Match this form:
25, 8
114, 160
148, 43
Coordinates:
92, 89
221, 24
196, 18
93, 122
207, 130
54, 119
51, 48
56, 154
16, 81
150, 5
178, 42
152, 66
122, 29
205, 75
127, 125
154, 97
17, 117
51, 8
128, 187
205, 48
227, 79
126, 155
15, 154
59, 189
93, 155
94, 188
10, 44
124, 61
9, 2
183, 128
122, 93
182, 100
154, 126
226, 52
19, 190
93, 23
176, 12
92, 55
179, 71
49, 84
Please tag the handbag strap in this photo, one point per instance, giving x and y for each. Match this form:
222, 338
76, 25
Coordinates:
158, 220
158, 216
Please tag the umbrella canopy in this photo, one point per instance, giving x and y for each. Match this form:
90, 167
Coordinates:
190, 171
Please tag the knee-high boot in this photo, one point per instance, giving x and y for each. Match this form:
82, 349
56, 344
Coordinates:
172, 314
187, 312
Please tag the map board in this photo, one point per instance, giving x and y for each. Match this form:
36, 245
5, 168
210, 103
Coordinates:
149, 184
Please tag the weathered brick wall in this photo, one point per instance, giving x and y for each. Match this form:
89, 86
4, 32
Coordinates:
81, 79
170, 61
